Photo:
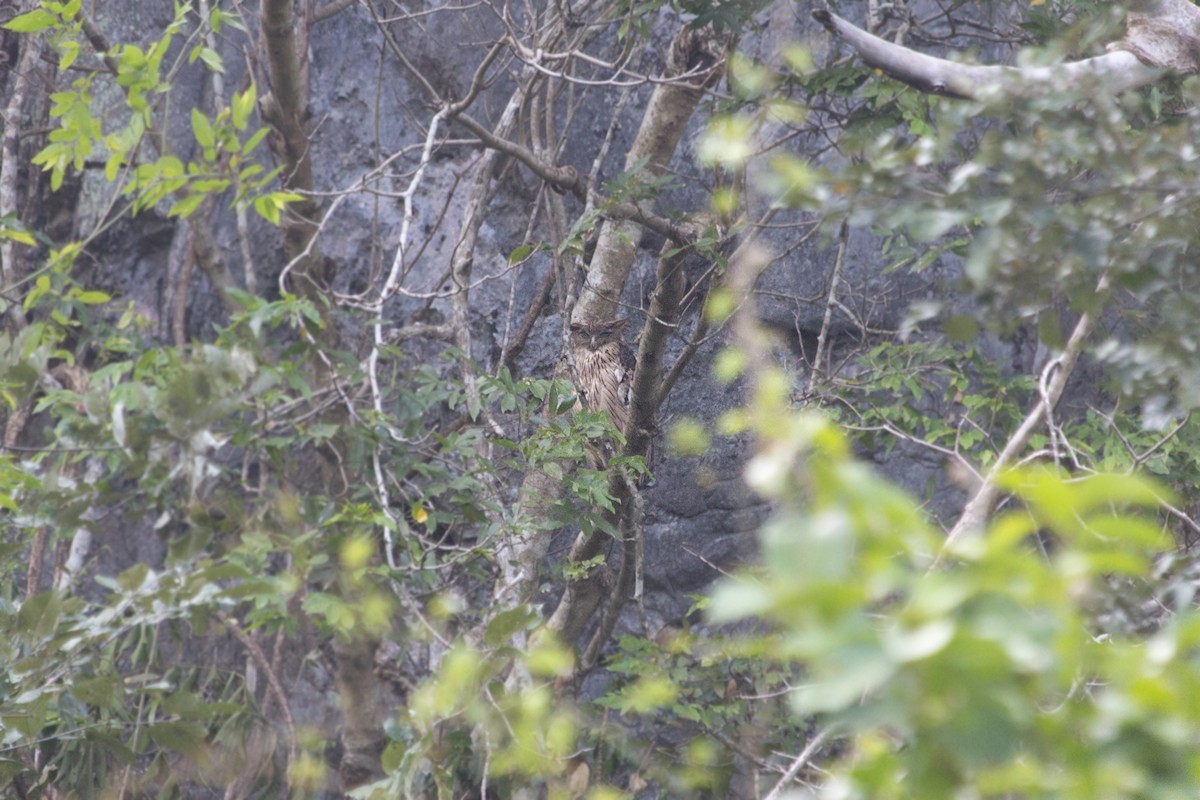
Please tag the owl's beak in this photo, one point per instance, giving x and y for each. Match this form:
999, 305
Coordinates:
593, 342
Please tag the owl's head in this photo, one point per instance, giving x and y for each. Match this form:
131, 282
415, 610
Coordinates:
595, 335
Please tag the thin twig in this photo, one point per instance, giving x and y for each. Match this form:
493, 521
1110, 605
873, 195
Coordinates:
815, 370
1058, 372
260, 658
798, 764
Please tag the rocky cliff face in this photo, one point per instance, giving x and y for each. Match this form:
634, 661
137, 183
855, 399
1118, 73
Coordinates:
387, 204
363, 108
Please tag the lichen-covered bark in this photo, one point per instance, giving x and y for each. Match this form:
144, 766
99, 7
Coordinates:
699, 55
285, 108
1164, 34
11, 272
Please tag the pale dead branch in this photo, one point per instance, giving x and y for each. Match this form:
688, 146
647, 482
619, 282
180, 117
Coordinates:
1160, 37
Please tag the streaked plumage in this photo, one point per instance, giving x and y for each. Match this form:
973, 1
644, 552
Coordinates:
605, 364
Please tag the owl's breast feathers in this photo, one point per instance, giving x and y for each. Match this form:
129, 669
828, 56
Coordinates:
606, 365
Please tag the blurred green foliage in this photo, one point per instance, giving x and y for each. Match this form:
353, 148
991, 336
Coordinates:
1052, 654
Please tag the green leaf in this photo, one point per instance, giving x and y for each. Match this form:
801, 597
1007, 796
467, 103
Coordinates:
134, 577
270, 206
728, 141
17, 236
267, 209
100, 691
181, 737
648, 693
961, 328
243, 104
70, 51
37, 20
30, 717
856, 670
203, 129
1099, 491
212, 59
506, 623
39, 615
735, 600
112, 166
185, 207
254, 140
40, 287
914, 644
688, 437
10, 768
520, 253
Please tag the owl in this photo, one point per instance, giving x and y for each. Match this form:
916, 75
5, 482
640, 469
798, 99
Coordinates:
605, 364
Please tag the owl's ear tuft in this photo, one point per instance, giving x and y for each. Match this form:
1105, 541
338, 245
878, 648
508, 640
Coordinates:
618, 325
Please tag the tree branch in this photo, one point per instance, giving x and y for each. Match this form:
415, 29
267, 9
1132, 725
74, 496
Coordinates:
285, 109
11, 274
980, 506
663, 124
1137, 60
670, 107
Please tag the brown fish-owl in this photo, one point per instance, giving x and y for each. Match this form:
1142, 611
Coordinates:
605, 364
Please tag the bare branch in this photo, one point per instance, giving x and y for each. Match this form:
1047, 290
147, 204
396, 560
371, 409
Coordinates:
806, 755
817, 371
1137, 60
1056, 375
273, 683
